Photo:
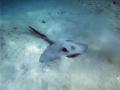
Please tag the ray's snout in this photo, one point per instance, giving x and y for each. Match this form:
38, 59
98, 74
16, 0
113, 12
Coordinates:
80, 49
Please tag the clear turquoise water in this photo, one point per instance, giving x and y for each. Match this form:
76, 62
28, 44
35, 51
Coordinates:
93, 22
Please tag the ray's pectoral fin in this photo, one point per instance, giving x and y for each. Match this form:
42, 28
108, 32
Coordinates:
41, 35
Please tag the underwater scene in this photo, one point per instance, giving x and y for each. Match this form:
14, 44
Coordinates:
59, 44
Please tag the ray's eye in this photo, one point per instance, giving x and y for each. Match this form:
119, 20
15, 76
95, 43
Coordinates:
64, 50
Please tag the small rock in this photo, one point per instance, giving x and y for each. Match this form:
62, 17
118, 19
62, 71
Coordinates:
43, 21
15, 28
116, 2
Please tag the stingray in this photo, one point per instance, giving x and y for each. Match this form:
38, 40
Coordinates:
59, 48
54, 52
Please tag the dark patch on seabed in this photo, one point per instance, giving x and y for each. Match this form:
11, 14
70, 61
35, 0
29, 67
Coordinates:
93, 22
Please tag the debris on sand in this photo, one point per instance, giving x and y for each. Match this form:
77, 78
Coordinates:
116, 2
117, 29
61, 12
43, 21
15, 28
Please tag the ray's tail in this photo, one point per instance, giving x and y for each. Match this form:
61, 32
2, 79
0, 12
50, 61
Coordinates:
41, 35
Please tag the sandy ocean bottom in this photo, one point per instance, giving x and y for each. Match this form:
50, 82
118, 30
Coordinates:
94, 22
